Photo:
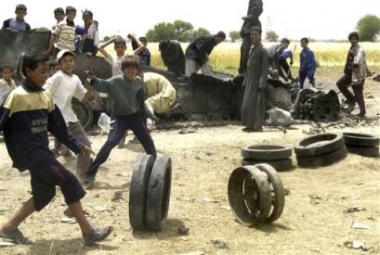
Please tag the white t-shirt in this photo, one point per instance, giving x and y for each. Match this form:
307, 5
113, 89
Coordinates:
115, 63
63, 88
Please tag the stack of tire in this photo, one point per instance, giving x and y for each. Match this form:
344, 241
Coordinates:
149, 194
362, 144
256, 194
320, 150
274, 155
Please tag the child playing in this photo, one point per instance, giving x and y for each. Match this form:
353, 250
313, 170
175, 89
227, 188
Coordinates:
7, 84
64, 85
120, 47
26, 117
128, 94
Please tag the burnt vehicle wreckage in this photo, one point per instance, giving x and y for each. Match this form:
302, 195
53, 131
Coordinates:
199, 97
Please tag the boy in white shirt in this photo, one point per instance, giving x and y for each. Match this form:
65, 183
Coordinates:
64, 85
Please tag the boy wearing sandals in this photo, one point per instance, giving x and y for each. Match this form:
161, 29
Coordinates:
26, 117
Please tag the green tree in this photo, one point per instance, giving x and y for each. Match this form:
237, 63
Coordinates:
234, 35
368, 27
272, 36
42, 29
200, 32
182, 30
107, 37
160, 32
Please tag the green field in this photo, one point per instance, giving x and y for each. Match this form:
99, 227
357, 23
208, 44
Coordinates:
226, 56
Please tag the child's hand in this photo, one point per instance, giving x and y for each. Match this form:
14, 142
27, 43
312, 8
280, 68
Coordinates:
87, 151
90, 74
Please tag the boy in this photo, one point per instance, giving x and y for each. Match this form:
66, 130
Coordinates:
64, 33
307, 64
18, 23
7, 84
90, 40
128, 94
144, 55
27, 116
64, 85
120, 47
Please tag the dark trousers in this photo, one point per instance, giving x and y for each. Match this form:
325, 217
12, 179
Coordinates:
284, 69
134, 122
308, 73
343, 84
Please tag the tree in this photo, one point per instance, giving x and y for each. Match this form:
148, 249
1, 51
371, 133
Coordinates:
107, 37
42, 29
235, 35
160, 32
272, 36
182, 30
200, 32
368, 27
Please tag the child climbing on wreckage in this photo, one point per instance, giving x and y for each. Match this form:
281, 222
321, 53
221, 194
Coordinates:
26, 117
127, 92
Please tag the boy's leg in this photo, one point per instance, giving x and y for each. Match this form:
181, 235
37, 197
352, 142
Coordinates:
113, 139
310, 76
359, 98
9, 228
302, 77
141, 132
83, 160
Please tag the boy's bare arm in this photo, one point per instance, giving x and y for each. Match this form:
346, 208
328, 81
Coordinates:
140, 47
102, 46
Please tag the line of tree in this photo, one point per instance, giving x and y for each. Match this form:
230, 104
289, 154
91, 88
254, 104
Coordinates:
178, 30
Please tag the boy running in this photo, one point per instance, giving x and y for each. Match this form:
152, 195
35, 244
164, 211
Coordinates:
64, 86
26, 117
127, 93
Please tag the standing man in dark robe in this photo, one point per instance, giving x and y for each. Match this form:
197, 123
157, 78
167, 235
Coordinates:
255, 82
255, 8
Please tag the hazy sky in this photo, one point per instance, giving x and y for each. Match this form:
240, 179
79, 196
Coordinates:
320, 19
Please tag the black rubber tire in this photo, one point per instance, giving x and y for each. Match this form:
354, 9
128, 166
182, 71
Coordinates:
266, 152
364, 151
323, 160
319, 144
158, 195
361, 140
249, 196
279, 165
138, 191
84, 113
277, 191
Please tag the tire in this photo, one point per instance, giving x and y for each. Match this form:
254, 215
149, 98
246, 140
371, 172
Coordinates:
266, 152
84, 113
278, 165
249, 196
158, 195
361, 140
138, 191
364, 151
277, 191
322, 160
319, 145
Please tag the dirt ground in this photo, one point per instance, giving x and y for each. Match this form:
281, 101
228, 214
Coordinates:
313, 221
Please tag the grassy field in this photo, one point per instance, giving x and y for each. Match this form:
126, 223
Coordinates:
226, 56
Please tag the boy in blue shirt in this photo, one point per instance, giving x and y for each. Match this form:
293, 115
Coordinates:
307, 64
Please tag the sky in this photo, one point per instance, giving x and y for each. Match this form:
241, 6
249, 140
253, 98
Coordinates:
318, 19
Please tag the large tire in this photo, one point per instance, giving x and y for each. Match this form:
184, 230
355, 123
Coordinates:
138, 191
277, 191
361, 140
279, 165
364, 151
266, 152
158, 195
84, 113
249, 196
319, 145
322, 160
